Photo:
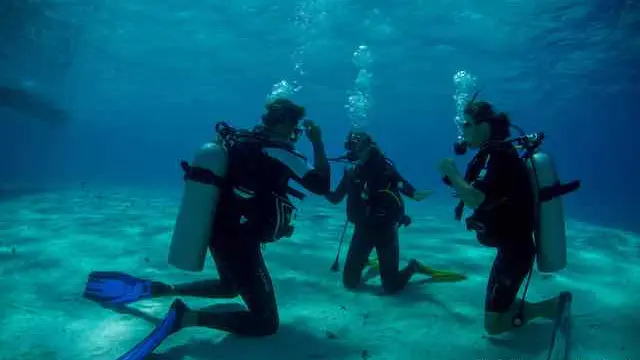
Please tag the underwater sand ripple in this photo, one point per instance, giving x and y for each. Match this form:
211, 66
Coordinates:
50, 241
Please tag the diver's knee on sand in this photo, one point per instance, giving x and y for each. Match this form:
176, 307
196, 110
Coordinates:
394, 281
267, 326
350, 280
352, 274
497, 323
390, 287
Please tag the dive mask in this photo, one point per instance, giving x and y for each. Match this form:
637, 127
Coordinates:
355, 145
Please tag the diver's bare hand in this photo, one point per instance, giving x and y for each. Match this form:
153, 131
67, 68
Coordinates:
312, 131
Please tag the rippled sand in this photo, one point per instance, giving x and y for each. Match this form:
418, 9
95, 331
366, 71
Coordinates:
49, 241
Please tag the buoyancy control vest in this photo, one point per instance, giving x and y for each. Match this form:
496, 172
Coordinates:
374, 194
255, 191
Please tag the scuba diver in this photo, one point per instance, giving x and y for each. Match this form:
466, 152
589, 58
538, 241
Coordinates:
373, 188
253, 209
511, 205
28, 103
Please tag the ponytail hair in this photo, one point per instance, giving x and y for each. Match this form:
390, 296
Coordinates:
500, 127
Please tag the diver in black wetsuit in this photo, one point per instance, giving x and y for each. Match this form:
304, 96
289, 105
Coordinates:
373, 188
245, 225
497, 186
255, 210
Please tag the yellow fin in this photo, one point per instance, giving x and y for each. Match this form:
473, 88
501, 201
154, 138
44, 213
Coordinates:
435, 275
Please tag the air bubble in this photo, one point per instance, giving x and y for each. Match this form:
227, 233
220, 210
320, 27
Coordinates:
465, 85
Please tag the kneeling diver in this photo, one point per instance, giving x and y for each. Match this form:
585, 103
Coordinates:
513, 198
373, 188
253, 209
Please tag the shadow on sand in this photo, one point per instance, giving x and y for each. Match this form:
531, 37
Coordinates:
290, 342
532, 339
8, 194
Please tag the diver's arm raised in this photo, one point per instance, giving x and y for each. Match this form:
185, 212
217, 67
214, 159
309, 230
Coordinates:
318, 179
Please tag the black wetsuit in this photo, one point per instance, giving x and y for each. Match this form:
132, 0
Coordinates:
376, 207
255, 210
505, 220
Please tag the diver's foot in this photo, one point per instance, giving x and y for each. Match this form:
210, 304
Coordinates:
413, 266
189, 317
170, 324
560, 346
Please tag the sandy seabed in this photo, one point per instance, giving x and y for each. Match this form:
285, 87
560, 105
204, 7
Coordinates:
50, 241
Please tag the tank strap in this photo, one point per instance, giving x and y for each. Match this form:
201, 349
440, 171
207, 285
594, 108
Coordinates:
201, 175
551, 192
231, 138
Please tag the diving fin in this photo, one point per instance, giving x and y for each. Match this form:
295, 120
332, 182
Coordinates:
374, 264
440, 275
117, 288
435, 275
560, 347
168, 326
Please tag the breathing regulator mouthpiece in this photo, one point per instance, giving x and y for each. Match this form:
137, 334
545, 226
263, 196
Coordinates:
356, 144
460, 147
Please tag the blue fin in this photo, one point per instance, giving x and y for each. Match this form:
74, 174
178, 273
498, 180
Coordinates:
169, 325
116, 288
560, 347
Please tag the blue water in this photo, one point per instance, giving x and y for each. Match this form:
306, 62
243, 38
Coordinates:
145, 81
